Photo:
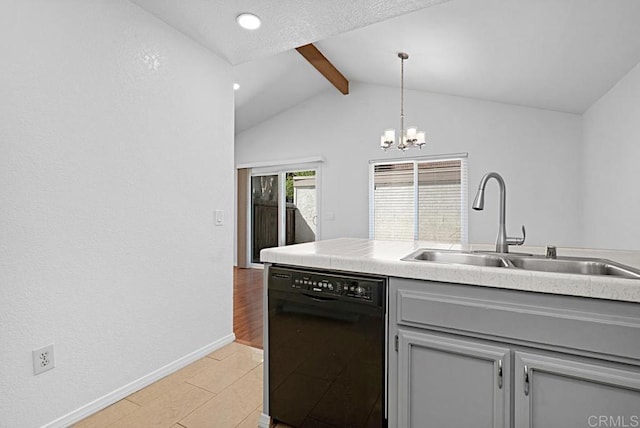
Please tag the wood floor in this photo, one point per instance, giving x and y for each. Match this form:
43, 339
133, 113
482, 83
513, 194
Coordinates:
247, 306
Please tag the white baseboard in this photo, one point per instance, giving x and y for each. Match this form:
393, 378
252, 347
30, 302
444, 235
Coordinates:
264, 421
120, 393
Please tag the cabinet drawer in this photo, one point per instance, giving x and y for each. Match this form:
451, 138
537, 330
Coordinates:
551, 320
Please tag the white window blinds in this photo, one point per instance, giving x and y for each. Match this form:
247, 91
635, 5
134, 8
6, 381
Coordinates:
393, 201
422, 199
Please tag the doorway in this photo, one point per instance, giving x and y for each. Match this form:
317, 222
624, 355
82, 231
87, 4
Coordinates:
277, 205
284, 209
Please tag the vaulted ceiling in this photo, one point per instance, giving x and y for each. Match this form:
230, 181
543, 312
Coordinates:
286, 24
552, 54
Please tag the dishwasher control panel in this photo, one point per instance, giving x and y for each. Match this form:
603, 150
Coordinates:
328, 284
337, 286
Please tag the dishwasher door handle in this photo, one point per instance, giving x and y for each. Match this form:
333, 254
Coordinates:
318, 298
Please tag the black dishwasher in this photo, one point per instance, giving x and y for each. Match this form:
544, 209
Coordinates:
326, 348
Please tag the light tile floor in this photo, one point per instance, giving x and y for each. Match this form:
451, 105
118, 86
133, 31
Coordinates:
224, 389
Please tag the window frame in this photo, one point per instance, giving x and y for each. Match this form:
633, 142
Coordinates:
464, 185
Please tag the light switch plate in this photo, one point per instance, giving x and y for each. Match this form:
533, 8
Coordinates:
329, 216
219, 217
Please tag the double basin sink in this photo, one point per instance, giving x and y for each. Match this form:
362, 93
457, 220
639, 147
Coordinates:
574, 265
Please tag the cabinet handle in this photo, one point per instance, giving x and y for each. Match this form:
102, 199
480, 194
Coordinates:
500, 374
526, 380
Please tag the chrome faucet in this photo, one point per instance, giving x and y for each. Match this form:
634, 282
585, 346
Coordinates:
503, 241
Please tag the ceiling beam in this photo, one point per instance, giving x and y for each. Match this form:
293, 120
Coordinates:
324, 66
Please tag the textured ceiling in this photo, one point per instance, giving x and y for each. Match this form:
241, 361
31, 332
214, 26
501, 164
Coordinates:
286, 24
560, 55
553, 54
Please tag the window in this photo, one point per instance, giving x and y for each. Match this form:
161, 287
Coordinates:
423, 198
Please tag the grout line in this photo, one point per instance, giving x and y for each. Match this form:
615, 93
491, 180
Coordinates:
199, 407
185, 379
132, 402
204, 389
221, 359
243, 376
219, 393
214, 395
245, 418
214, 358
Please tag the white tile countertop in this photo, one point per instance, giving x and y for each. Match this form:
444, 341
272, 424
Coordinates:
384, 258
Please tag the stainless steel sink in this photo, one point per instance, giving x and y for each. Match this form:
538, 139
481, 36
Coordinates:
495, 253
573, 265
457, 257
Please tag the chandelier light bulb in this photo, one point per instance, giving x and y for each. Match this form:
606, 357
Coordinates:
387, 139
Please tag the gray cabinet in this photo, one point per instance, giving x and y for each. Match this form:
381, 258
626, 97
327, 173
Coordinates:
562, 392
451, 383
582, 358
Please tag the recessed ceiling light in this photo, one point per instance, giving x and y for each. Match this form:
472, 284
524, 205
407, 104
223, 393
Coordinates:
248, 21
236, 86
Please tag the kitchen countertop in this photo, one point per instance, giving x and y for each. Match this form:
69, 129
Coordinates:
383, 258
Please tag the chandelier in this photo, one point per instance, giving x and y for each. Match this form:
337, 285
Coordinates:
407, 138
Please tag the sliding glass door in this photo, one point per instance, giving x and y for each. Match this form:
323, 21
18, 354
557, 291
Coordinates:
264, 214
302, 207
284, 209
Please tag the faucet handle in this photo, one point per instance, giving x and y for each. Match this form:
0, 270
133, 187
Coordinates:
518, 241
551, 252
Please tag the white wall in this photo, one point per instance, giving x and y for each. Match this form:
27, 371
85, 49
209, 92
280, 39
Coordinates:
612, 166
535, 150
116, 137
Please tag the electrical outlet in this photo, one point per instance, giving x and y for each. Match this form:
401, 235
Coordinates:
43, 359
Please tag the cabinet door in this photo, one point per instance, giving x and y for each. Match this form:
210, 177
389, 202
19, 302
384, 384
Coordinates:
561, 392
451, 383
